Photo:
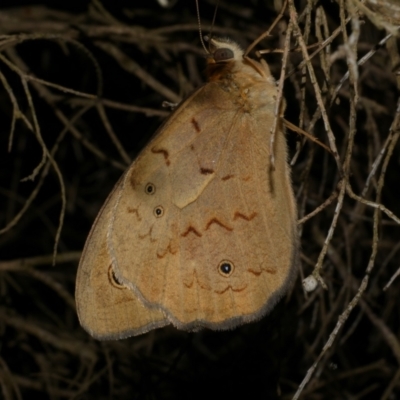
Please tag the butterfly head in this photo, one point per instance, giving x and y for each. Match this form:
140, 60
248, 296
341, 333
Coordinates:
223, 50
226, 62
224, 55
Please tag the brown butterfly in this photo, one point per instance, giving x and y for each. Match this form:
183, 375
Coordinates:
200, 231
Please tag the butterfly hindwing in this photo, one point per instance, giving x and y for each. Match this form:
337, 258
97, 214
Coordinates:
217, 200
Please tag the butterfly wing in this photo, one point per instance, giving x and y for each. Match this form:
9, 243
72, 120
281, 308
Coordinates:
212, 243
107, 309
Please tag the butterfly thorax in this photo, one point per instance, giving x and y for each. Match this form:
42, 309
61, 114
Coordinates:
248, 81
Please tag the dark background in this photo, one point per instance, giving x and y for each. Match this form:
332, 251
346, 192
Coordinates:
44, 352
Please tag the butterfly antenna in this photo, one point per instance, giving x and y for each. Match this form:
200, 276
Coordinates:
199, 22
213, 20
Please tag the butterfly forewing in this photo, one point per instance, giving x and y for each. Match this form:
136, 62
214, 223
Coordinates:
214, 243
106, 309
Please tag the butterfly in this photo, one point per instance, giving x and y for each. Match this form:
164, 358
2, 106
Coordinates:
200, 231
